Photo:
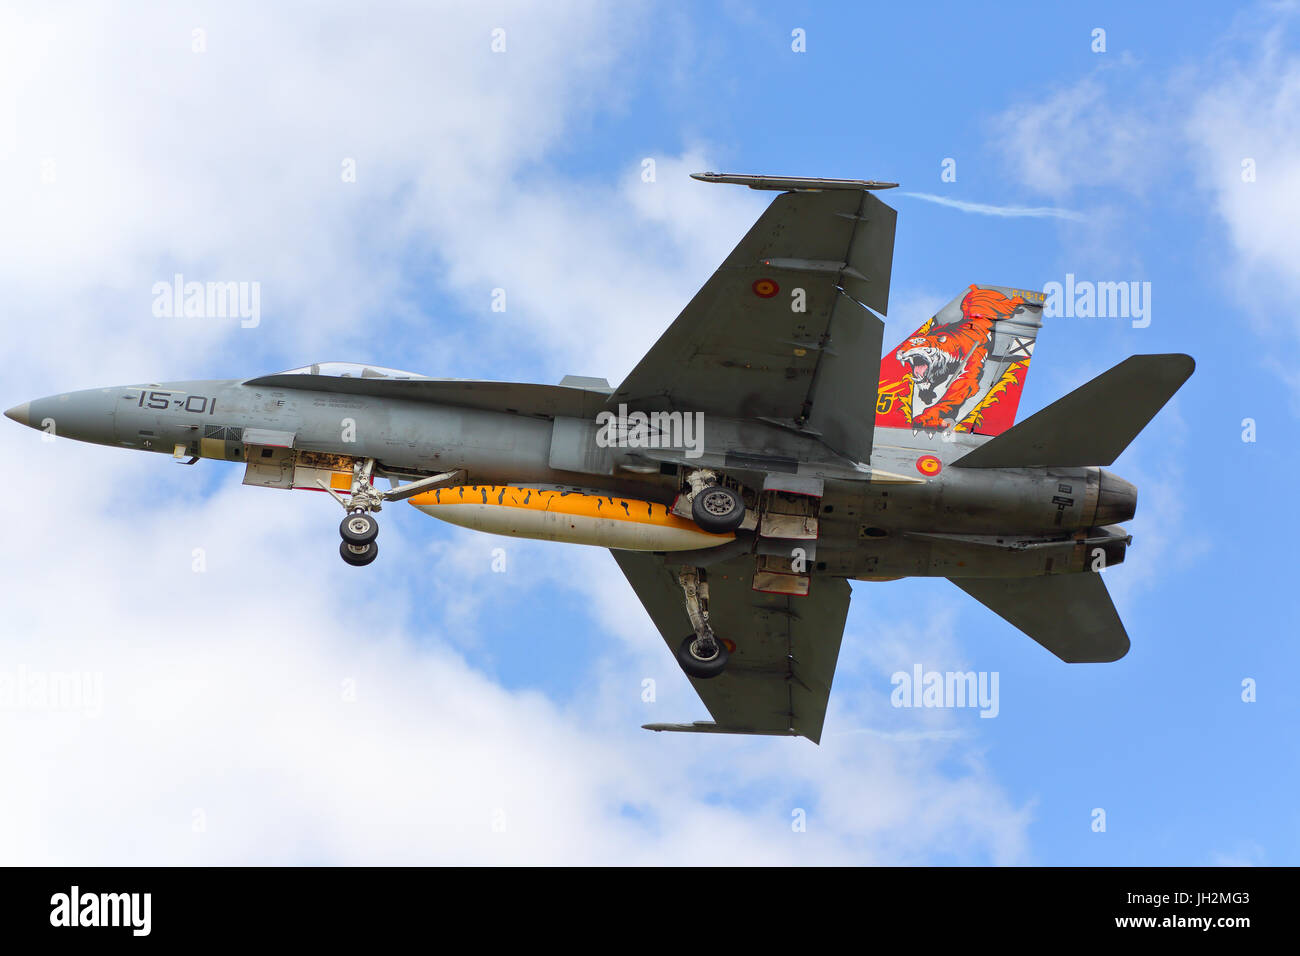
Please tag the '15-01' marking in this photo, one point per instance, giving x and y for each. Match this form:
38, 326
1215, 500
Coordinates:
160, 401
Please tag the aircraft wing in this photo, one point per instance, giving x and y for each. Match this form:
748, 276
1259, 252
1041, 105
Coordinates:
779, 676
780, 332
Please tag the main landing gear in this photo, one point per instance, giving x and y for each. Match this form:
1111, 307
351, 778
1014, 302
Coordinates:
702, 654
715, 507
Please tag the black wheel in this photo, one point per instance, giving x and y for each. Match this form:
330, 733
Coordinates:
718, 509
359, 528
359, 555
702, 667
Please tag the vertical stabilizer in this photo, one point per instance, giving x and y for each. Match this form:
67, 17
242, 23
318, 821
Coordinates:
965, 368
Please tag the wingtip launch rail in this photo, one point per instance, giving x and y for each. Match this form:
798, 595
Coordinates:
792, 183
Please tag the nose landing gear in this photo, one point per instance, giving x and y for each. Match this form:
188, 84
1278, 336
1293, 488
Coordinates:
359, 529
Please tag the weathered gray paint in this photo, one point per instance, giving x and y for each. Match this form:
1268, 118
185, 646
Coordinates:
411, 437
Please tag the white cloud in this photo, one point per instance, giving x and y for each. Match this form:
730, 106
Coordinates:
1079, 136
595, 272
1251, 115
228, 163
1230, 122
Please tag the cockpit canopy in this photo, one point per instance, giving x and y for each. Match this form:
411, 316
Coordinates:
353, 370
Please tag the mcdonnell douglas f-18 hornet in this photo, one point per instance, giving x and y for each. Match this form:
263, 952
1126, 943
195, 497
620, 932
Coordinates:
747, 469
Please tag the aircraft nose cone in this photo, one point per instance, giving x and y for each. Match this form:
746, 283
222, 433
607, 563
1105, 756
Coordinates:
85, 416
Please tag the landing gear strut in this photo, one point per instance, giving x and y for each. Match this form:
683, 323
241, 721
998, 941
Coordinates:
702, 655
359, 529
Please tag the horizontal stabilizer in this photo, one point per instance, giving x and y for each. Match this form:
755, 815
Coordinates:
1071, 615
1092, 424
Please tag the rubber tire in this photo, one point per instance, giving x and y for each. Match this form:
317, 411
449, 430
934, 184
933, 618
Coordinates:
694, 667
359, 537
359, 560
718, 523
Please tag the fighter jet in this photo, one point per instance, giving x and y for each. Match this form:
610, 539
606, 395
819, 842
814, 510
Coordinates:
748, 468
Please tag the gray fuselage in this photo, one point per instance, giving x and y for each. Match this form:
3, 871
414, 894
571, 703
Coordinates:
889, 519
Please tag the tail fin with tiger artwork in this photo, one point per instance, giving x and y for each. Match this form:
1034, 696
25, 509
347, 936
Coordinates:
965, 368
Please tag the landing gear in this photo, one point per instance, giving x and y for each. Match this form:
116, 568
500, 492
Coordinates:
715, 507
359, 528
702, 655
700, 660
718, 509
359, 555
359, 547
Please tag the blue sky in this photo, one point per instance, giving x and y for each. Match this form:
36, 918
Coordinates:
479, 697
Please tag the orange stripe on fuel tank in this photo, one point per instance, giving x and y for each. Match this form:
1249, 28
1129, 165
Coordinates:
577, 517
562, 502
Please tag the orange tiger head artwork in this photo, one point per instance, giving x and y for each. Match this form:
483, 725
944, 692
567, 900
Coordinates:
945, 363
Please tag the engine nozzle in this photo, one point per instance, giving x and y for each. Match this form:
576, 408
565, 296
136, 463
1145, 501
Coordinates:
1116, 499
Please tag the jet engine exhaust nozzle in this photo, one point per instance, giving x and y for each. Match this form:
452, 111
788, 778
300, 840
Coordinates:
1116, 499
